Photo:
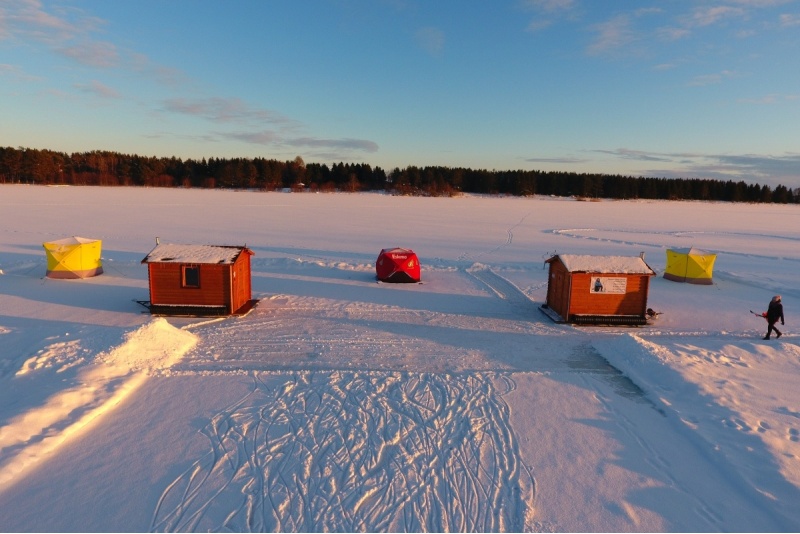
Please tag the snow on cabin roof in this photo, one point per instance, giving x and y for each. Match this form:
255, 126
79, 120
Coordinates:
604, 264
165, 252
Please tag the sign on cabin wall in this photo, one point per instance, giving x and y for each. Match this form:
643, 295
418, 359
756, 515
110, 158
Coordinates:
603, 285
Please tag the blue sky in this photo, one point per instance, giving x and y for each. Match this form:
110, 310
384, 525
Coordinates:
693, 88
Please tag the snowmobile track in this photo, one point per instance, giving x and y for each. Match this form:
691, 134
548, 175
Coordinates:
504, 290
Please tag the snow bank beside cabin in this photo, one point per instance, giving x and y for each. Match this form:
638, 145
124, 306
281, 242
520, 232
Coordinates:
99, 386
736, 397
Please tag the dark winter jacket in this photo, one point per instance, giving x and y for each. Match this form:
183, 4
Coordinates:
775, 311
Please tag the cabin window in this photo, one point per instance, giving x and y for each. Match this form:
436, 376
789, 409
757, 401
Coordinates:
190, 276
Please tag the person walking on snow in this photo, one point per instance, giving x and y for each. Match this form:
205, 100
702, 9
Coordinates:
774, 312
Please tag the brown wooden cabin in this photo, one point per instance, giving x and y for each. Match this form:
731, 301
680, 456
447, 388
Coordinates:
598, 289
199, 279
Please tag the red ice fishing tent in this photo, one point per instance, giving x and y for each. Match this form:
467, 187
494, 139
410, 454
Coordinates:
397, 265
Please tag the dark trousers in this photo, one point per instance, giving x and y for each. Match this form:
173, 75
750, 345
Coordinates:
771, 327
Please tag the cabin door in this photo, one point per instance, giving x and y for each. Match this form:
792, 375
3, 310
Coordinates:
558, 292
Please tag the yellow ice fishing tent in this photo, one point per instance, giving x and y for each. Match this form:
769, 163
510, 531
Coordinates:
690, 265
73, 257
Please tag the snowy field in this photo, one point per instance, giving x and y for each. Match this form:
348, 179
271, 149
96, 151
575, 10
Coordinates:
343, 404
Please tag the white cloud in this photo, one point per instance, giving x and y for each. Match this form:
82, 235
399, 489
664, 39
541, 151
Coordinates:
549, 12
761, 3
99, 89
672, 33
431, 40
99, 54
612, 36
788, 20
267, 137
225, 110
664, 66
16, 73
712, 15
538, 25
714, 78
28, 19
769, 99
762, 168
72, 34
236, 111
346, 144
551, 5
566, 160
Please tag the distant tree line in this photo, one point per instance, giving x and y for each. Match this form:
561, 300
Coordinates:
32, 166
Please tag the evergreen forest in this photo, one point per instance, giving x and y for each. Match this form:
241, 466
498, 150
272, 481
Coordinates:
105, 168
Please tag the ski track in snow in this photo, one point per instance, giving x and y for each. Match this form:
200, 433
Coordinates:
358, 451
509, 239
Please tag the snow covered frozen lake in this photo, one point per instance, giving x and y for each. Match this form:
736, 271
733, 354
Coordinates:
343, 404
